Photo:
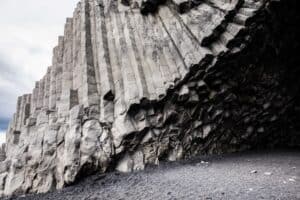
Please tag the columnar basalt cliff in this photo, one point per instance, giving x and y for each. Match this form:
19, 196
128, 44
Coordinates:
132, 84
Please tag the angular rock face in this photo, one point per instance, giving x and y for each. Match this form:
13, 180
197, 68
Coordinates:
2, 152
126, 90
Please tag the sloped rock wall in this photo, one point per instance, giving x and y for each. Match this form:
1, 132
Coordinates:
126, 90
2, 152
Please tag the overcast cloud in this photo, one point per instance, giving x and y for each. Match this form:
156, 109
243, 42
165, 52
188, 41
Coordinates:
28, 32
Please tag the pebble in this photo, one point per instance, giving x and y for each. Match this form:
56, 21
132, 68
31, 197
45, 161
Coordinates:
268, 173
202, 162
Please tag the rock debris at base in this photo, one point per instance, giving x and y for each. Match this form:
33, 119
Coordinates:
226, 177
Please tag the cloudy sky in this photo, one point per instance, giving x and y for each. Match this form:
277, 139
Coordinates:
28, 33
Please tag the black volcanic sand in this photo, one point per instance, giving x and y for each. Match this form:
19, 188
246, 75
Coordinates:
251, 175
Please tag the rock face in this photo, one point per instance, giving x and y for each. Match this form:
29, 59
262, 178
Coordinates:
128, 88
2, 152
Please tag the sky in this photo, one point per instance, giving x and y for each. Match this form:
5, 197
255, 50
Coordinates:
28, 33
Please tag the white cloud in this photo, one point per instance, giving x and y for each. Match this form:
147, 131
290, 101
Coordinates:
28, 33
2, 137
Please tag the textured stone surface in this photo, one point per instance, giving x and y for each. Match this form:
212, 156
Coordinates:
211, 177
2, 152
127, 90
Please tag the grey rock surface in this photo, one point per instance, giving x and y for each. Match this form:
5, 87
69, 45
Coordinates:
127, 90
2, 152
211, 177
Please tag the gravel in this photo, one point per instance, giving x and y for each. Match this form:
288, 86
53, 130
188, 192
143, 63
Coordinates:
277, 176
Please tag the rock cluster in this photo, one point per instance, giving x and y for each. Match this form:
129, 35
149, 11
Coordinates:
126, 90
